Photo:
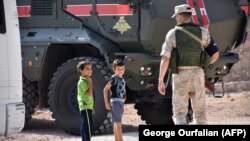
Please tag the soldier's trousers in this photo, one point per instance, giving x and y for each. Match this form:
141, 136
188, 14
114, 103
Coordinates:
189, 84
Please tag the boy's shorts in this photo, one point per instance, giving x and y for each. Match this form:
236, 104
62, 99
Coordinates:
117, 109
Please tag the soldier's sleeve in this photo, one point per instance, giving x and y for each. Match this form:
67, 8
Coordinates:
211, 48
168, 44
206, 39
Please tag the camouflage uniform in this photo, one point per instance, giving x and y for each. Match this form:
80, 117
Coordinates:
188, 83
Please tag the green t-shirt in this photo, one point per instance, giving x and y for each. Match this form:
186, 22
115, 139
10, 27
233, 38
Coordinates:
84, 101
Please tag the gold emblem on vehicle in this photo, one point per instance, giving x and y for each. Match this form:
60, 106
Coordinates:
122, 25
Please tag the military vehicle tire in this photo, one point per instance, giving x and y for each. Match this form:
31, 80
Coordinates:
30, 97
155, 113
63, 96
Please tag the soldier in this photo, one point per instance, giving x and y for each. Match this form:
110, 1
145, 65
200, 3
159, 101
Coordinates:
189, 41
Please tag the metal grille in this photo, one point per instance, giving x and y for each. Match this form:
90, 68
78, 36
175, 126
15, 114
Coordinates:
42, 7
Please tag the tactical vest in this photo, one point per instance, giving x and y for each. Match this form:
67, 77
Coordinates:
188, 49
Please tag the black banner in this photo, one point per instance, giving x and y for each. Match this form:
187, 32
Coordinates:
181, 132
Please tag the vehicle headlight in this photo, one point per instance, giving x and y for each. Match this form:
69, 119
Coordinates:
146, 71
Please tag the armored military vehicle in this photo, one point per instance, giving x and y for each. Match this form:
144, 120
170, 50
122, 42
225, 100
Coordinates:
57, 34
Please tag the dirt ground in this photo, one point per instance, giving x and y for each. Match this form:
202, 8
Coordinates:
233, 108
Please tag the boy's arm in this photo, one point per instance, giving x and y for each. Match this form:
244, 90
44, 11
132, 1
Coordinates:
106, 95
90, 90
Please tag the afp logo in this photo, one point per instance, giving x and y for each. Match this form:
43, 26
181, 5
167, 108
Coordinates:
233, 133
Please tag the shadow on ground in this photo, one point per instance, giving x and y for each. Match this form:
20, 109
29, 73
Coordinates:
49, 127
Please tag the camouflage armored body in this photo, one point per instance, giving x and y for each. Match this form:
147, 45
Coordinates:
57, 34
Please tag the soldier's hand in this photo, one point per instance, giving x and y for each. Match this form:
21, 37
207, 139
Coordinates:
161, 87
108, 106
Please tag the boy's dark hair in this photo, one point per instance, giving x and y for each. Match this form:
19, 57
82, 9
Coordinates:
118, 63
81, 65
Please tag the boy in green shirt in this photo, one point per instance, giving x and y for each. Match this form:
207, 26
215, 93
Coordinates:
85, 98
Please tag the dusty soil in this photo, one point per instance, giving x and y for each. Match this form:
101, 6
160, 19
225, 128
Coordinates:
233, 108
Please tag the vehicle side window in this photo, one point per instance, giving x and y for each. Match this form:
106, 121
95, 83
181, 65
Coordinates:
2, 18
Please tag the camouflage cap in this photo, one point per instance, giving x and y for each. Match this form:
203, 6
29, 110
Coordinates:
181, 9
